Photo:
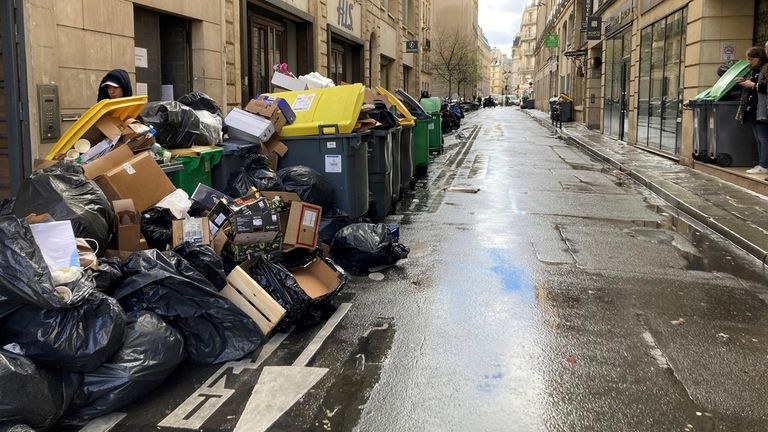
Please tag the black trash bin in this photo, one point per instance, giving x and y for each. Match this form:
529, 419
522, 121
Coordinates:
730, 142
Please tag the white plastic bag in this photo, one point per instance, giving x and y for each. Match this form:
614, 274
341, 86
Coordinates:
178, 203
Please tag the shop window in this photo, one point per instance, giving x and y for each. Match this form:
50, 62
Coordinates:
660, 83
166, 39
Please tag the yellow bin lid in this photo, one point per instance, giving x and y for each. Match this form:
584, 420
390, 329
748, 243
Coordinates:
120, 108
407, 119
327, 107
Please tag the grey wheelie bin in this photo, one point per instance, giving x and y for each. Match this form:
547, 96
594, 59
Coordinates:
341, 158
380, 170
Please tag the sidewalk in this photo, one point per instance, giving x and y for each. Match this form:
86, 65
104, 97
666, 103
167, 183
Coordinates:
737, 214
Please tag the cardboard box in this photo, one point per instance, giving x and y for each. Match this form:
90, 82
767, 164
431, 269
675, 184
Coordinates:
128, 226
118, 156
318, 279
270, 107
207, 197
300, 224
268, 111
254, 228
248, 127
253, 300
139, 178
111, 127
275, 149
219, 216
369, 97
131, 129
288, 82
195, 230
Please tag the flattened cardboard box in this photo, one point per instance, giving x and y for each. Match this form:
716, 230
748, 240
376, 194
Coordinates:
195, 230
300, 224
140, 179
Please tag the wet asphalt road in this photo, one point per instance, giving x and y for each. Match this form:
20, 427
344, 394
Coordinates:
544, 302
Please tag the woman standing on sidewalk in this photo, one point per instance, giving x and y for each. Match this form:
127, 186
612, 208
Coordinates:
754, 104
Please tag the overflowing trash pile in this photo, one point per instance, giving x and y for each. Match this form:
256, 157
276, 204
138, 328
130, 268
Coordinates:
121, 260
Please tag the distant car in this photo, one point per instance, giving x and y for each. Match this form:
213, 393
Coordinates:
514, 99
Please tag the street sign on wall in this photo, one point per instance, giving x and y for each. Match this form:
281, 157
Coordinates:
551, 41
412, 46
594, 28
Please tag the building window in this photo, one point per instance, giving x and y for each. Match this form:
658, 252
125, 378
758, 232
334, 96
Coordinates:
406, 12
660, 83
384, 75
266, 46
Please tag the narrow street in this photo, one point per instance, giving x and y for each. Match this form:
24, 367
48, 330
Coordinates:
560, 297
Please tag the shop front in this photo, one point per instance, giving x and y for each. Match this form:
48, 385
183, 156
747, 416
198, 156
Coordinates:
617, 63
660, 92
274, 32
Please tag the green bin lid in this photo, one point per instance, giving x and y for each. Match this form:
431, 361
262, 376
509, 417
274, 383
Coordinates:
726, 82
431, 105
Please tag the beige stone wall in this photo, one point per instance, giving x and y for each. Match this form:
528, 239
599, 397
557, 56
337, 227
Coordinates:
73, 43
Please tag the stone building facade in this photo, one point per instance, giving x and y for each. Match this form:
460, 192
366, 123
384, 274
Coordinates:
225, 48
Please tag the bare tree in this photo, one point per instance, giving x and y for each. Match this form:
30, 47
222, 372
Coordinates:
450, 53
468, 72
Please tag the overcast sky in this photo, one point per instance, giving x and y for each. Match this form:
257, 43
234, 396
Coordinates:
500, 21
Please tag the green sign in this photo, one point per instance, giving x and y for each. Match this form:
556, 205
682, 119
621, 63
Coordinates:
551, 41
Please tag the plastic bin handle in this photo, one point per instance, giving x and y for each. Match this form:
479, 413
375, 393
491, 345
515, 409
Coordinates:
323, 127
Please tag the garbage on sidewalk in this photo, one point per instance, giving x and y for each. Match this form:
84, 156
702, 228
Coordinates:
113, 274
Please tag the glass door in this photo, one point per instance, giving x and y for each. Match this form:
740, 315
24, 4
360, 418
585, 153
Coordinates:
266, 48
662, 55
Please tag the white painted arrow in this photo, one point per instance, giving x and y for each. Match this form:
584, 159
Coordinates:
280, 387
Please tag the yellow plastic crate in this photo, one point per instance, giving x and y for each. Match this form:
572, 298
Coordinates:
326, 107
121, 108
408, 119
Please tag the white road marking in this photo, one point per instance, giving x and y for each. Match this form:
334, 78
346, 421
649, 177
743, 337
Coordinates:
278, 389
209, 397
323, 334
103, 423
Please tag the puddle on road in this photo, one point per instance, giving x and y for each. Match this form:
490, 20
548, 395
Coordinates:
345, 400
703, 251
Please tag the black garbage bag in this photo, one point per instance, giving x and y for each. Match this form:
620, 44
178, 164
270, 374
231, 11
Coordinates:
108, 276
157, 227
385, 117
331, 222
78, 339
6, 207
361, 246
24, 276
63, 191
205, 260
309, 185
179, 126
280, 283
200, 101
214, 329
254, 173
30, 395
150, 353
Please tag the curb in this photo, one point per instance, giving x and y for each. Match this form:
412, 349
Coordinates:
665, 194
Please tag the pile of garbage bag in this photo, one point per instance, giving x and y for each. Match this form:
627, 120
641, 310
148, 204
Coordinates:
179, 126
363, 246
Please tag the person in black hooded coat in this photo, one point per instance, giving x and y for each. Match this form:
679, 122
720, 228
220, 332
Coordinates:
115, 84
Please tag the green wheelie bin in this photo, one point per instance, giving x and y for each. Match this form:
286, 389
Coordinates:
435, 128
420, 140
